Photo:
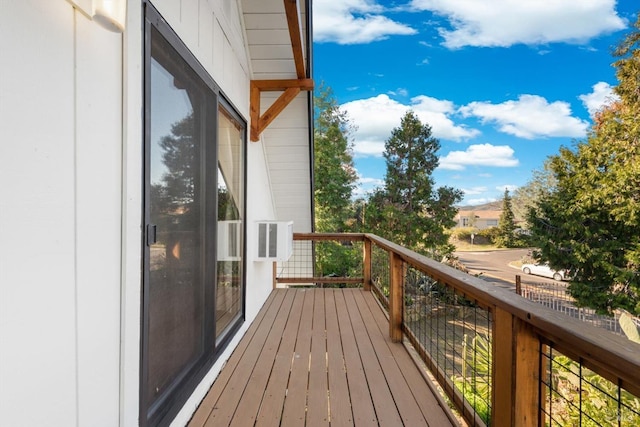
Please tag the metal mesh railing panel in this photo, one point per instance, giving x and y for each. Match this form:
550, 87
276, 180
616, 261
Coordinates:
455, 334
574, 395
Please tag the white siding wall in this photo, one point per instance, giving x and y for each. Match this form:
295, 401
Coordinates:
60, 167
70, 204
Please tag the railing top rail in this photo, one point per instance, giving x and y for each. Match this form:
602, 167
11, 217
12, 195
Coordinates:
329, 236
614, 354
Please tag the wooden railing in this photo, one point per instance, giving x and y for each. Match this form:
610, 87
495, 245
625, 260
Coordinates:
530, 349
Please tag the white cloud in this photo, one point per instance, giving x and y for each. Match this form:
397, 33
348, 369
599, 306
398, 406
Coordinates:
480, 155
353, 22
400, 91
531, 116
602, 95
376, 117
508, 22
365, 185
474, 191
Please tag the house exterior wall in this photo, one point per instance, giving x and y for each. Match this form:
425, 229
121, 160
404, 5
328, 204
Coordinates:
477, 219
71, 198
60, 209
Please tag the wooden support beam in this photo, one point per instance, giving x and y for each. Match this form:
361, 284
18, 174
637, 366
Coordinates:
292, 9
277, 107
396, 297
254, 111
527, 373
503, 367
290, 88
366, 264
516, 372
275, 85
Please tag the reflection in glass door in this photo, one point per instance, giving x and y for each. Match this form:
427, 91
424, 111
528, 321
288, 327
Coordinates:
180, 220
193, 276
229, 289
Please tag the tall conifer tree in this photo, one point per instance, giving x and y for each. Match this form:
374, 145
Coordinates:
410, 210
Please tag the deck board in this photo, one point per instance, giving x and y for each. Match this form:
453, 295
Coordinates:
360, 397
320, 357
339, 398
273, 400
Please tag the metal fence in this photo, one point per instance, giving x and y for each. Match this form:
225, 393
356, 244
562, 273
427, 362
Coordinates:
556, 296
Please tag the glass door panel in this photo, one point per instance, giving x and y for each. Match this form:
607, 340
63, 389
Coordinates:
229, 285
175, 288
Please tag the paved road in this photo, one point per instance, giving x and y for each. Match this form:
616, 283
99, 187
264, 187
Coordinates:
494, 266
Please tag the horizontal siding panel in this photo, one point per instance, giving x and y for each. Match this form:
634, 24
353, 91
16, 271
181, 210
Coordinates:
287, 188
291, 123
283, 175
282, 153
285, 172
296, 209
293, 196
280, 136
285, 191
295, 177
262, 6
299, 213
275, 66
276, 51
265, 21
265, 75
266, 37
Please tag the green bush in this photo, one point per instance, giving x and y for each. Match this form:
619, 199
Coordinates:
475, 381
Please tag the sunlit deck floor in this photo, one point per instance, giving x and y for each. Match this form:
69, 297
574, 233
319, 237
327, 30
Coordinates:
320, 357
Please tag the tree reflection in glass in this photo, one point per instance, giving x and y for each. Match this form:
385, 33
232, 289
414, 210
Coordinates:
175, 281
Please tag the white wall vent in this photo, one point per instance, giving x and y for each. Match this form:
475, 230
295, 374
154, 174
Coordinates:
229, 240
275, 240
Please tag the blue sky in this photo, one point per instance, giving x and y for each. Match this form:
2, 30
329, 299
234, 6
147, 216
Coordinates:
502, 83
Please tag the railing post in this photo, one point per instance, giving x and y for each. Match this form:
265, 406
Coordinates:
366, 264
518, 284
396, 297
275, 274
516, 372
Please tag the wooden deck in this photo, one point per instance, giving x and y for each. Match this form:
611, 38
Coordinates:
320, 357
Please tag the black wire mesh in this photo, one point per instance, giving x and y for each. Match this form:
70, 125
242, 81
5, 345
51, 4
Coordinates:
455, 334
328, 259
573, 394
380, 271
300, 265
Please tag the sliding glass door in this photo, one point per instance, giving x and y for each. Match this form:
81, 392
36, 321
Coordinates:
193, 284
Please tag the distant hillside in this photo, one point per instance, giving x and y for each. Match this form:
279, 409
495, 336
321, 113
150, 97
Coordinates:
492, 206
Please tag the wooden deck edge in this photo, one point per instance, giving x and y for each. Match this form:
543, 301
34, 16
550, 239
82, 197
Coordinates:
451, 413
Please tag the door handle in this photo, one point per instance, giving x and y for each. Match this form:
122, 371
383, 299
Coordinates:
152, 236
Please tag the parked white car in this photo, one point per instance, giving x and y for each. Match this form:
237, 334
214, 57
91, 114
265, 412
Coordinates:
545, 271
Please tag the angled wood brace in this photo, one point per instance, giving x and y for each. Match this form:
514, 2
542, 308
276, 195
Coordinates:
291, 88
